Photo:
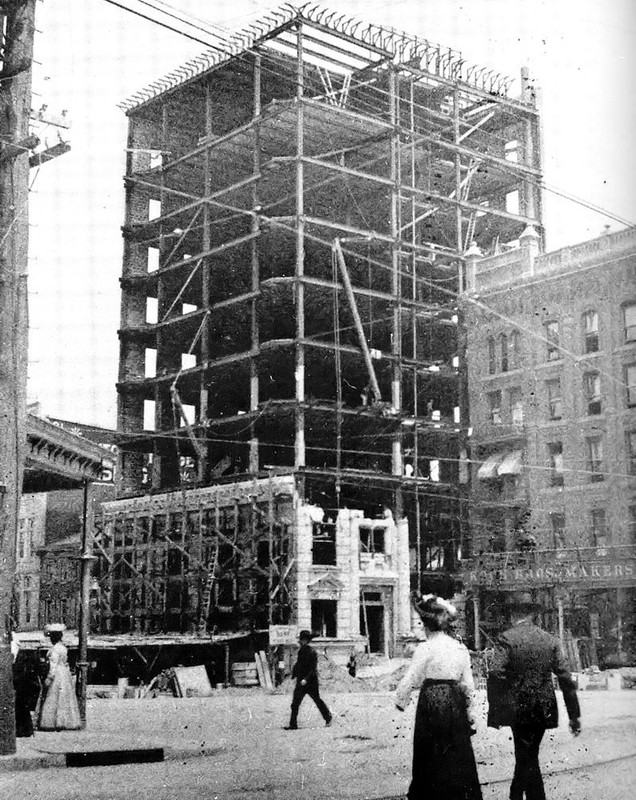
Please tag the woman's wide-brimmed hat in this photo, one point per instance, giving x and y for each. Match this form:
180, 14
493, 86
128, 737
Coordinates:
55, 627
422, 603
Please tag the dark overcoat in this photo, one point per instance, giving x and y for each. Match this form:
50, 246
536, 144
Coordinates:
306, 666
520, 686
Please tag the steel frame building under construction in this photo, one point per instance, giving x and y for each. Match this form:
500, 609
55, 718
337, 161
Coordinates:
290, 391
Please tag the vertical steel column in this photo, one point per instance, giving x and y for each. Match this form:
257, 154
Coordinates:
528, 208
254, 387
299, 441
477, 643
204, 351
416, 435
396, 344
459, 240
159, 460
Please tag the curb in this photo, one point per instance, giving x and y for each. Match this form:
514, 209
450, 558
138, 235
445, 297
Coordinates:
15, 763
96, 758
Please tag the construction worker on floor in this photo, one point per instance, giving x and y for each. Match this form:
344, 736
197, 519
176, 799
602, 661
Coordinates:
306, 673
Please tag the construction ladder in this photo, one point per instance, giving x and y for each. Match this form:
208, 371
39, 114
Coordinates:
206, 600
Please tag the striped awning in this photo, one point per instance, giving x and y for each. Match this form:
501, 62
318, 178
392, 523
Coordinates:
511, 464
488, 469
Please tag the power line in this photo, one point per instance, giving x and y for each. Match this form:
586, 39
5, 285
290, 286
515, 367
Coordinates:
226, 50
456, 295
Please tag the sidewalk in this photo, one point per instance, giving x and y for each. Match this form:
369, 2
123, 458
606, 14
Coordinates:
241, 729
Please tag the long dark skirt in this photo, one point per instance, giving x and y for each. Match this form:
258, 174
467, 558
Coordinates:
443, 761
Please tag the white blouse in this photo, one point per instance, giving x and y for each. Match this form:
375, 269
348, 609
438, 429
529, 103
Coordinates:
440, 657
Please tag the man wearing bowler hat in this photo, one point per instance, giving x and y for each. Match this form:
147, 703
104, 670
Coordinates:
306, 673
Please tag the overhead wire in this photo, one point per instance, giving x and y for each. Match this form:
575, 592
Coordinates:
548, 187
456, 295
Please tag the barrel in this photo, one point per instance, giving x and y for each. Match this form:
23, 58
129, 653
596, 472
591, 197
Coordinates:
244, 673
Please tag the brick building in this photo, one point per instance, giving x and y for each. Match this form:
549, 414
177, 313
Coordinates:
552, 393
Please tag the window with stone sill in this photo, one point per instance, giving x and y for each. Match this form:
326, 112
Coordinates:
503, 350
629, 322
514, 350
555, 461
494, 407
372, 539
492, 356
599, 532
324, 543
324, 618
555, 403
557, 525
592, 387
595, 459
553, 351
631, 451
631, 525
590, 332
630, 383
516, 406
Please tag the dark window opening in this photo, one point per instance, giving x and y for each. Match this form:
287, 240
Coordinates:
513, 350
324, 543
371, 539
593, 393
630, 381
492, 356
324, 618
631, 530
629, 314
372, 626
631, 451
555, 455
595, 459
599, 530
552, 341
494, 402
503, 343
555, 403
175, 562
557, 523
590, 328
262, 554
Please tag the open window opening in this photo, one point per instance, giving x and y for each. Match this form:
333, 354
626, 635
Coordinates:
324, 615
372, 539
324, 543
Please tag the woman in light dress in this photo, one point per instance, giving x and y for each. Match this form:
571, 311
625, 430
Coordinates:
443, 761
58, 710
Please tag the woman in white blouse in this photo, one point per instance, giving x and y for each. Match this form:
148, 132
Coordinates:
443, 761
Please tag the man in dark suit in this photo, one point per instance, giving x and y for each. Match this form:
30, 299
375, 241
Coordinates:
306, 673
525, 661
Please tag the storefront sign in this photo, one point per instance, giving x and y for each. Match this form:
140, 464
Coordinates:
283, 634
599, 573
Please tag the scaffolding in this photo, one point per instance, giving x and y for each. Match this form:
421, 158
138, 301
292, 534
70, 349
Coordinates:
297, 210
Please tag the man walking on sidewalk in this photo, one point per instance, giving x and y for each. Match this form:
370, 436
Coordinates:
306, 673
524, 696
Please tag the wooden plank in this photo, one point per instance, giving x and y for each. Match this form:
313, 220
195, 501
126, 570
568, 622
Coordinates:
192, 681
268, 676
260, 671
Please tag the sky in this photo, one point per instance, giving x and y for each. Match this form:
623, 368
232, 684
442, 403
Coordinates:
90, 55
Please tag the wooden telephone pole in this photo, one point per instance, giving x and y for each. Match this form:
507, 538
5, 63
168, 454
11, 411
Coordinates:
15, 108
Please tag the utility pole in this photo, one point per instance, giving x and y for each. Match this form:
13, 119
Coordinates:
87, 558
15, 108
